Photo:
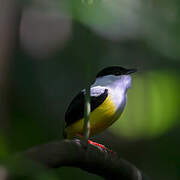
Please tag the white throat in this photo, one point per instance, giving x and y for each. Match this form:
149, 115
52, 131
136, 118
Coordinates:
117, 87
122, 82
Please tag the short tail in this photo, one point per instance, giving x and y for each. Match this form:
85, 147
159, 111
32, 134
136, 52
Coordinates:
68, 133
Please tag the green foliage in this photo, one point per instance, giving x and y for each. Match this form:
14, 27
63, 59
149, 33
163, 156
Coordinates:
93, 34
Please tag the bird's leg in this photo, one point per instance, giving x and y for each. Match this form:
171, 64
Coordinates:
97, 145
101, 147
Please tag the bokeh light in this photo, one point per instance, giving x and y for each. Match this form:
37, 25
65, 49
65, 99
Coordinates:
49, 49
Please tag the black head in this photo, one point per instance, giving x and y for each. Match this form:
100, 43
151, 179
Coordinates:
115, 70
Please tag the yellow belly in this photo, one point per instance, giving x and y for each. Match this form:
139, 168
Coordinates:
101, 118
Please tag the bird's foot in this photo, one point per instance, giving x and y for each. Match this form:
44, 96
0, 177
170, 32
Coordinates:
101, 147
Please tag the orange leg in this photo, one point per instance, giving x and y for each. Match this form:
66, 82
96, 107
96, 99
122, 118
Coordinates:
100, 146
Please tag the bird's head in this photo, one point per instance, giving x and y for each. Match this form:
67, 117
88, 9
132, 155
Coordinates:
115, 75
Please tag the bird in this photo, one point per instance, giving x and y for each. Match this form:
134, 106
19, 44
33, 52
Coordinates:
108, 97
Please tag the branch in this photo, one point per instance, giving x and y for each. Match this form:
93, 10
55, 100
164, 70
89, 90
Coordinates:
87, 111
73, 153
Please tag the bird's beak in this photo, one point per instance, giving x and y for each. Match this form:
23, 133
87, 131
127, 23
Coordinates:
130, 71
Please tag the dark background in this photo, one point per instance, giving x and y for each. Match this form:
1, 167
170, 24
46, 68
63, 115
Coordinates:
50, 49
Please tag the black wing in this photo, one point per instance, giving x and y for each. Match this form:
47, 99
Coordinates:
75, 110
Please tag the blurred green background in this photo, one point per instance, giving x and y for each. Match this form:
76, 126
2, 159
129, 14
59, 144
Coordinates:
50, 49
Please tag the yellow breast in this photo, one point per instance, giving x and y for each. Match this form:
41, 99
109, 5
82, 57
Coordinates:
101, 118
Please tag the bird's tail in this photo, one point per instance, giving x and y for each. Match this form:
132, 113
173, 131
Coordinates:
68, 134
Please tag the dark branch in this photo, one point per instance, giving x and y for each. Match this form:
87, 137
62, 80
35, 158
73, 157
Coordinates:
72, 153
